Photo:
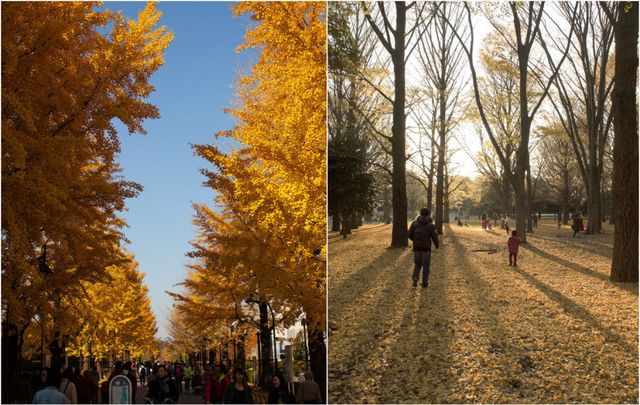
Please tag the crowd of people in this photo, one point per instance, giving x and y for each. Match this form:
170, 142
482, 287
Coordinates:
165, 382
69, 387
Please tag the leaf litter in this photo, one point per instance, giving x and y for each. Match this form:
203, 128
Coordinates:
552, 330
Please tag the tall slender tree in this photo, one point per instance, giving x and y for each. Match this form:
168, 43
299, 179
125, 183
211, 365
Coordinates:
625, 151
399, 41
521, 36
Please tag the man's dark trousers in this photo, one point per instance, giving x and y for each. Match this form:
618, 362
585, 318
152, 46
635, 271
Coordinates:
421, 260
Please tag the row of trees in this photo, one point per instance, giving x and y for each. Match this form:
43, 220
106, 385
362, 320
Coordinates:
258, 260
69, 70
542, 101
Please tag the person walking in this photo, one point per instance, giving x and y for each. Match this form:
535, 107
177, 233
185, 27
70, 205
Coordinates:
238, 392
513, 243
163, 388
576, 224
186, 373
535, 220
279, 393
67, 387
143, 375
49, 394
127, 371
422, 232
87, 388
217, 387
309, 391
506, 223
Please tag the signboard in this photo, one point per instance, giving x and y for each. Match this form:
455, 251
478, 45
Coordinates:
120, 390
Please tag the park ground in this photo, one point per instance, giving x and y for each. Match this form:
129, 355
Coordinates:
552, 330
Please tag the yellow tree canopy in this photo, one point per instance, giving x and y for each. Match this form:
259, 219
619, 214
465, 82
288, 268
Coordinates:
64, 81
271, 192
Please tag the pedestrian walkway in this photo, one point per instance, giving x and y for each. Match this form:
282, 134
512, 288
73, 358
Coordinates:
185, 398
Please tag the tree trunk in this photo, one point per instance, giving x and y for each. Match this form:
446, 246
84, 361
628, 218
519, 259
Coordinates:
335, 224
593, 199
565, 198
398, 143
506, 195
266, 369
445, 204
317, 352
529, 203
430, 179
521, 212
625, 150
387, 205
10, 361
353, 218
345, 220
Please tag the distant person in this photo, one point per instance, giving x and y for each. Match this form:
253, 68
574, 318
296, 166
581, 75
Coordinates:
143, 375
49, 394
217, 387
163, 388
422, 232
513, 243
196, 377
187, 371
279, 393
39, 380
309, 391
238, 392
484, 221
86, 388
535, 220
559, 225
576, 224
67, 386
506, 223
128, 371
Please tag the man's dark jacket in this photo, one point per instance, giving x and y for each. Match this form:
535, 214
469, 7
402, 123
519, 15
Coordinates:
422, 231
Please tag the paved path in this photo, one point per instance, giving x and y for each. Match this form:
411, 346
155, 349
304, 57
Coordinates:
185, 398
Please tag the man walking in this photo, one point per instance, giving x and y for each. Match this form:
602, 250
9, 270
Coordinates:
422, 232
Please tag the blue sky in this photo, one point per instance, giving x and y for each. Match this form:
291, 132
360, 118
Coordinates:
192, 88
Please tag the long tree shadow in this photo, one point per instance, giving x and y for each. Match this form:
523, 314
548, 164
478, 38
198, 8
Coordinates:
335, 237
372, 322
426, 325
578, 311
361, 280
628, 287
583, 243
480, 292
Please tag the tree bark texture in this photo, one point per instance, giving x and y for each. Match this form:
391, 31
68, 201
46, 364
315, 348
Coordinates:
624, 267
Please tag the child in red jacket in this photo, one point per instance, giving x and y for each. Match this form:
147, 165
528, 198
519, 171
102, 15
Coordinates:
513, 243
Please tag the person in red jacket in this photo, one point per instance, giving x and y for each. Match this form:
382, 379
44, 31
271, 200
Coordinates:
217, 386
513, 243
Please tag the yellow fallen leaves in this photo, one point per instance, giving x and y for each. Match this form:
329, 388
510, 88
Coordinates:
553, 329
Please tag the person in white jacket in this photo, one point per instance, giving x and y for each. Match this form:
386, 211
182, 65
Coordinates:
67, 387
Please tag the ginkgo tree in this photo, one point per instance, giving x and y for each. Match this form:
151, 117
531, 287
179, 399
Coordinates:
263, 244
69, 71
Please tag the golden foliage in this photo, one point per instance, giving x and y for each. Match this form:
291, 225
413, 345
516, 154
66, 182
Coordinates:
270, 191
63, 83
